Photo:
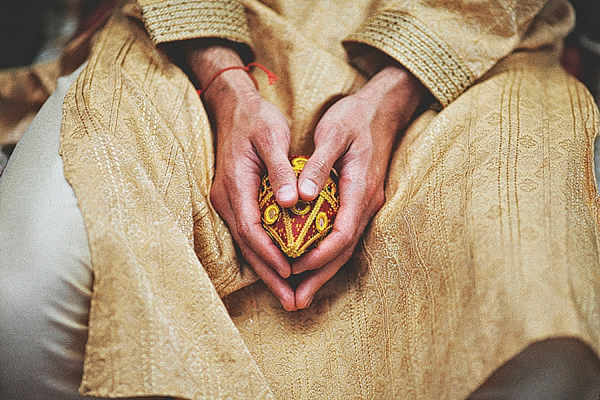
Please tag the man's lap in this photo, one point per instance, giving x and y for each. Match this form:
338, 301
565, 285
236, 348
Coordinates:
48, 263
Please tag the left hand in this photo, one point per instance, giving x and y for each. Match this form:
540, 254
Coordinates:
252, 136
358, 133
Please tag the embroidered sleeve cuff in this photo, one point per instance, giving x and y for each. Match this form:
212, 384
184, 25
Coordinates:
417, 48
173, 20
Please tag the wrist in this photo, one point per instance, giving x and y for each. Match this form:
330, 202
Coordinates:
395, 95
227, 88
394, 86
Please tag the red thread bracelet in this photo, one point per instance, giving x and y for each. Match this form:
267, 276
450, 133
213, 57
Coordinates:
270, 75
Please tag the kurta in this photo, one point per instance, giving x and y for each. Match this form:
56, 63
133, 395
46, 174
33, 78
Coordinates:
488, 239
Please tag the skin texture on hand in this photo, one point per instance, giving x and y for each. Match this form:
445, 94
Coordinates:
252, 136
357, 134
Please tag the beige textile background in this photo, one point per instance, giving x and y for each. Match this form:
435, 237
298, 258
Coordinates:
488, 239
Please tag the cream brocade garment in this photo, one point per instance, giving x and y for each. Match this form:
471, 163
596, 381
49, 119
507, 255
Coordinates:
488, 239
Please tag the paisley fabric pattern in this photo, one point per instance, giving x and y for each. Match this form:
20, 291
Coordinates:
487, 242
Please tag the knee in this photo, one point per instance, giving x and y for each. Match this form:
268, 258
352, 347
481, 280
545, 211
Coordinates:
559, 368
44, 293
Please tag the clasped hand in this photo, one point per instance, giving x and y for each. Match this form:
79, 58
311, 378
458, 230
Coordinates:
356, 134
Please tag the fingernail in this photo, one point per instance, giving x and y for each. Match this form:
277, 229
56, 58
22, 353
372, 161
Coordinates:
284, 273
285, 193
309, 187
283, 305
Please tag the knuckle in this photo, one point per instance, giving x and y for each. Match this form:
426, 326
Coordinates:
270, 138
346, 239
321, 166
278, 172
319, 169
327, 128
264, 141
243, 229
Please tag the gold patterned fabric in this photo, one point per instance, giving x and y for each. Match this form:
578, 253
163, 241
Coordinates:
449, 44
488, 239
172, 20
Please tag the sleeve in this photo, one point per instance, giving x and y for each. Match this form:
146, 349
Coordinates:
449, 44
175, 20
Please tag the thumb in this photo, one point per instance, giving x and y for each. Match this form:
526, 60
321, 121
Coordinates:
282, 177
317, 169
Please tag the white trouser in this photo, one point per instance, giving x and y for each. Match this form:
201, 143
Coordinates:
45, 267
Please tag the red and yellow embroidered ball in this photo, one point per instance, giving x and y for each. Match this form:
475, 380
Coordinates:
301, 227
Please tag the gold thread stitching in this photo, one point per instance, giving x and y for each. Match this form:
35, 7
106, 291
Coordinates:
419, 50
174, 20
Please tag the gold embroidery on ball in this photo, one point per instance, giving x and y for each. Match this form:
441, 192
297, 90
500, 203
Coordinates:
301, 207
321, 221
298, 163
271, 214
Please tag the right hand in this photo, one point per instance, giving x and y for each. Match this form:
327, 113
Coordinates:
253, 137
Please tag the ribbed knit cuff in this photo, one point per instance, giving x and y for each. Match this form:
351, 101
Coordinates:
417, 48
173, 20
